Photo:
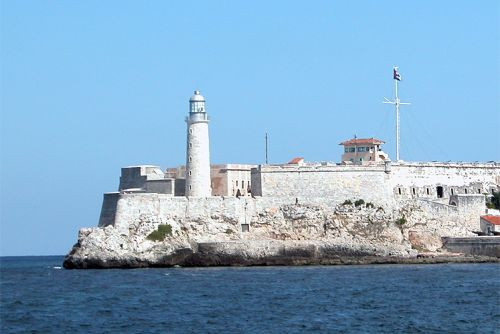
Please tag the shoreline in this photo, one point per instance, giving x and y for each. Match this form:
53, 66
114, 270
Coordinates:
197, 261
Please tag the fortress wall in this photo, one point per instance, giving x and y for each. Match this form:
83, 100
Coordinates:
108, 209
205, 213
132, 207
405, 180
336, 182
461, 178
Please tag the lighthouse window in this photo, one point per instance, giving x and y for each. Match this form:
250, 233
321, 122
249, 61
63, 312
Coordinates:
190, 159
466, 190
236, 182
346, 150
428, 191
190, 131
190, 145
452, 191
242, 184
351, 149
399, 191
414, 191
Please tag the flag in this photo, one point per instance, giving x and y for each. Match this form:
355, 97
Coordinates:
397, 76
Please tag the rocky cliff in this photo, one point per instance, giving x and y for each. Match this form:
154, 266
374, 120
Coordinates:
151, 230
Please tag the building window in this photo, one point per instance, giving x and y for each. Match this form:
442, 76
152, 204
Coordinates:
428, 191
236, 183
190, 145
242, 184
361, 149
190, 131
245, 227
452, 192
414, 191
346, 150
190, 174
478, 190
190, 159
189, 187
399, 191
351, 149
466, 190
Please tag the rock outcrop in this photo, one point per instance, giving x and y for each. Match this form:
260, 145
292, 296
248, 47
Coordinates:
281, 234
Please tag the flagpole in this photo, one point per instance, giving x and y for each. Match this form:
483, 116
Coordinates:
397, 120
397, 103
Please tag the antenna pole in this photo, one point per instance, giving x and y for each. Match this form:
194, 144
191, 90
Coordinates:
397, 121
266, 149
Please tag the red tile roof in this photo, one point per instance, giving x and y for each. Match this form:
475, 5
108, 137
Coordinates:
362, 141
296, 160
495, 220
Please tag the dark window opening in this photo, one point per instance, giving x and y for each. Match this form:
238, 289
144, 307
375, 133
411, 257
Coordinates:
399, 191
478, 191
414, 191
428, 191
439, 191
245, 228
466, 191
452, 191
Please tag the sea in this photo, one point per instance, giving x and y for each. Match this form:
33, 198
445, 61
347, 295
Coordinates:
39, 296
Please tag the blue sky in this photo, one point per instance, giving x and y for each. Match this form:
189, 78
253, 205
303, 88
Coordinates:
88, 87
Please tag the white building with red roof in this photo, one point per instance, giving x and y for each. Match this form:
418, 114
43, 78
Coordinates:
490, 224
362, 151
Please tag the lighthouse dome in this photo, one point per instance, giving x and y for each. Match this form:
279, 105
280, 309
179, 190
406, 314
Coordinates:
197, 97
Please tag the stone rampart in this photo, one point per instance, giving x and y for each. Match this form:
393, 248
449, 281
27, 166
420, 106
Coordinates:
336, 182
376, 183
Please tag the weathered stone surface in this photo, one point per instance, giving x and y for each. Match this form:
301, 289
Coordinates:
208, 231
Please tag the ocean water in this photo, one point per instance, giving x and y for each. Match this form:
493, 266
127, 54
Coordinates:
37, 296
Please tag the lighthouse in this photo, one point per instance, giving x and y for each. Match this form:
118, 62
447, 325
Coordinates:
198, 151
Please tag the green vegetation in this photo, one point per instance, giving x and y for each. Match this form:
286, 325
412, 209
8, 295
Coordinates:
401, 221
160, 234
229, 231
494, 201
370, 205
359, 202
347, 202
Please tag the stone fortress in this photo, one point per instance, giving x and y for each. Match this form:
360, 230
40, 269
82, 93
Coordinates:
365, 171
261, 212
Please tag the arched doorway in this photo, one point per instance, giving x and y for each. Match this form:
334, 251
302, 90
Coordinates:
439, 191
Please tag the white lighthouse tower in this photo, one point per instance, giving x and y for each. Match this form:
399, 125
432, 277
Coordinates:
198, 151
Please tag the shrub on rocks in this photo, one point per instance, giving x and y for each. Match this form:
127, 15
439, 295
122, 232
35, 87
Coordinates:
162, 231
401, 221
359, 202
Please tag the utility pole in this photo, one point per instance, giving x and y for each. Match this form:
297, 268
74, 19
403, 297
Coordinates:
397, 103
266, 149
